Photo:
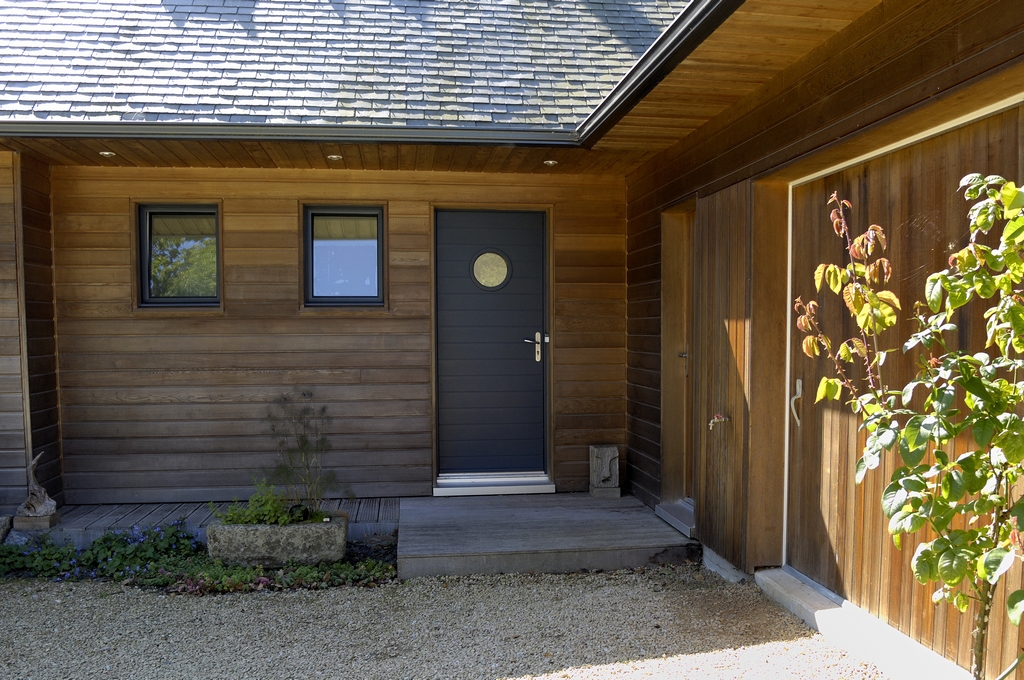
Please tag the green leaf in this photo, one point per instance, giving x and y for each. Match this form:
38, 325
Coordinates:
933, 291
1013, 232
924, 564
994, 564
819, 274
889, 298
953, 485
952, 567
845, 353
1011, 441
1013, 200
1015, 606
959, 295
908, 393
984, 284
893, 499
834, 278
983, 429
918, 430
862, 469
829, 388
911, 457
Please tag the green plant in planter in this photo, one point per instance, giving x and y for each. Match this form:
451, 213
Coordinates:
301, 431
266, 506
956, 426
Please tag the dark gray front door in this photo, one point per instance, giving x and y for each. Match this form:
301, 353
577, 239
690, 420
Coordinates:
490, 302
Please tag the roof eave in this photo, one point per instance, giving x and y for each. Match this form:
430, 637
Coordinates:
692, 27
343, 134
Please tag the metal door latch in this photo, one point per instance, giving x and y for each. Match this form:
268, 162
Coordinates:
536, 342
718, 418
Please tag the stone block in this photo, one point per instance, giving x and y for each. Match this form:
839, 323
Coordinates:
604, 471
5, 526
36, 523
249, 545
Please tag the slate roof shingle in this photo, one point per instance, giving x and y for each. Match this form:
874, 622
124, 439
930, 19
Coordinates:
488, 63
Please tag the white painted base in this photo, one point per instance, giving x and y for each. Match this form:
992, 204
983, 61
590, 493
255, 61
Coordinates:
721, 566
496, 484
848, 627
492, 490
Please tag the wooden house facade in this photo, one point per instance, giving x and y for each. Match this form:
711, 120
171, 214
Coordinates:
673, 226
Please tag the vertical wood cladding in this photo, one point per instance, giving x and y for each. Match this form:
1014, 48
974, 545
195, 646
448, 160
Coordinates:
165, 405
721, 320
897, 56
39, 324
13, 483
643, 359
837, 531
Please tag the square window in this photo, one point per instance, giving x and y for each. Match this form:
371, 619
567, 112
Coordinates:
344, 256
179, 255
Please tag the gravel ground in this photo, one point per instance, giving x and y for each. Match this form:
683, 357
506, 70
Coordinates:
665, 622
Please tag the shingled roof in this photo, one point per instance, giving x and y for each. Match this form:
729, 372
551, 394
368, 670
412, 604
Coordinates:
524, 64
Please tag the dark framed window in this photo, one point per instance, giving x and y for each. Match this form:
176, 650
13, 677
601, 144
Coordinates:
344, 255
179, 258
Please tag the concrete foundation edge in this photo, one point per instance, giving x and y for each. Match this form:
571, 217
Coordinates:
850, 628
721, 566
552, 562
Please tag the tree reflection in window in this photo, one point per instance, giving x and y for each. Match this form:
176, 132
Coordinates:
182, 256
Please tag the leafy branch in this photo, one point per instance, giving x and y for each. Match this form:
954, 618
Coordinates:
955, 425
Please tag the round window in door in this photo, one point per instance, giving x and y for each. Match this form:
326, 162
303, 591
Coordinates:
491, 269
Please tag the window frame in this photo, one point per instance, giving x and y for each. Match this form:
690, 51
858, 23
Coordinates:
146, 253
311, 300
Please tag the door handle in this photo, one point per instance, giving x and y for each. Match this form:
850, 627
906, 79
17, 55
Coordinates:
797, 394
536, 342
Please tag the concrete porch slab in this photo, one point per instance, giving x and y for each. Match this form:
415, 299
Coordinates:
542, 533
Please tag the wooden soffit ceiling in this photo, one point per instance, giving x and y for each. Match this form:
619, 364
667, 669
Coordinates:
222, 153
751, 47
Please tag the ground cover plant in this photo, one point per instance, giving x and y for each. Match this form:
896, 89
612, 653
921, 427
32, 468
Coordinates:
955, 428
172, 558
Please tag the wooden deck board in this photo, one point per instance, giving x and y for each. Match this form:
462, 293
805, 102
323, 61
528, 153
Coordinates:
369, 510
82, 524
559, 532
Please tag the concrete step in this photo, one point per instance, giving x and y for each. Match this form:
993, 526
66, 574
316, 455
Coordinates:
547, 533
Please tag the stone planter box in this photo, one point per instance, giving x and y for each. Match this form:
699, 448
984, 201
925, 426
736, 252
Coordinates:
272, 546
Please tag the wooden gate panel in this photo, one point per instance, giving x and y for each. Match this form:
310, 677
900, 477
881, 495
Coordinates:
721, 320
837, 531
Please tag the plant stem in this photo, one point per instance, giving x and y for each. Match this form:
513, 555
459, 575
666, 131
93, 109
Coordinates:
980, 633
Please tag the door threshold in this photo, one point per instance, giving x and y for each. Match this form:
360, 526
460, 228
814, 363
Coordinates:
492, 484
680, 515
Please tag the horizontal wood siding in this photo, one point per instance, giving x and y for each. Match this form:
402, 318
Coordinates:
39, 324
167, 405
13, 483
837, 532
643, 406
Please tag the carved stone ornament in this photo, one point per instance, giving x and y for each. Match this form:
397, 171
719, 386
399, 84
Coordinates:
604, 471
38, 503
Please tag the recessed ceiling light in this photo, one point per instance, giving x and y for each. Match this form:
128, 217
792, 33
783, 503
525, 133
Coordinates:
550, 163
107, 154
334, 157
